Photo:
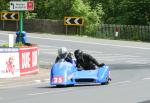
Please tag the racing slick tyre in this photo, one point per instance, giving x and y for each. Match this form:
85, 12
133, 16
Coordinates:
63, 86
107, 82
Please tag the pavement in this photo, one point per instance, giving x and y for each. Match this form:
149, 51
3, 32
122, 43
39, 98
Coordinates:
42, 76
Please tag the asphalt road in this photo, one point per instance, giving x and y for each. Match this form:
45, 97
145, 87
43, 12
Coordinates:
129, 63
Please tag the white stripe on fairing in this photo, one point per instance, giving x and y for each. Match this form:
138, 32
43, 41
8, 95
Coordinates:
92, 43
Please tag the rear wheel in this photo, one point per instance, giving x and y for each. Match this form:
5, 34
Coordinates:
107, 81
60, 86
63, 86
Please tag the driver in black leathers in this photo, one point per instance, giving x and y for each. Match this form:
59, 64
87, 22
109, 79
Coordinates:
86, 61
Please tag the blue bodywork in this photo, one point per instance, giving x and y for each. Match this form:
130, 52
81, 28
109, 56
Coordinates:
65, 73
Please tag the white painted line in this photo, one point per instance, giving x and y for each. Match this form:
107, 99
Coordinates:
46, 80
123, 82
30, 83
93, 43
133, 47
38, 93
52, 92
51, 53
51, 48
37, 81
146, 78
45, 61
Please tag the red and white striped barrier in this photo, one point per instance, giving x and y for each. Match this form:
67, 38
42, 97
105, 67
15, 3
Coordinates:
15, 62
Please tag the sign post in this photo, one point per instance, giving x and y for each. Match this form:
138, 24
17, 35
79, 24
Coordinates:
21, 6
21, 22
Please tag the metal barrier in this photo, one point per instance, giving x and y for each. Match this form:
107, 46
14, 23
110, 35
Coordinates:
126, 32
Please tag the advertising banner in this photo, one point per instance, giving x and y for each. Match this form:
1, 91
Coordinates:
28, 60
9, 62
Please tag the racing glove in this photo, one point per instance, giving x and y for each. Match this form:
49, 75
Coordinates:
101, 65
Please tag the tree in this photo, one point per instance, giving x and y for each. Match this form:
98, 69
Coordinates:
53, 9
92, 17
4, 5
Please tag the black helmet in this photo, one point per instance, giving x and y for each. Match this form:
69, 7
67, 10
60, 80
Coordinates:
77, 52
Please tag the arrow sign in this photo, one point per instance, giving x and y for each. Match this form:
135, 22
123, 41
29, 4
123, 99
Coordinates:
10, 16
73, 21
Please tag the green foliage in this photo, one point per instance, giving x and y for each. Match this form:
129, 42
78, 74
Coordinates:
92, 17
4, 5
5, 45
19, 44
125, 11
57, 9
53, 9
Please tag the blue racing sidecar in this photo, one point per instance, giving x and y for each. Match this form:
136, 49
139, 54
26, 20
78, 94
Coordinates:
64, 73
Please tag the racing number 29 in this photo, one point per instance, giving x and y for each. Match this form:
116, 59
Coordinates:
57, 79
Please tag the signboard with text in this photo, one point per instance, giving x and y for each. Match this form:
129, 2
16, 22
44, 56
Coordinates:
21, 5
28, 60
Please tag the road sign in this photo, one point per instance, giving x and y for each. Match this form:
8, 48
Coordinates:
21, 5
10, 16
73, 21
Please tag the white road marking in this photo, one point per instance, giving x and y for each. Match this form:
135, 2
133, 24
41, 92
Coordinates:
42, 80
146, 78
52, 53
53, 92
123, 82
30, 83
37, 81
45, 61
107, 57
93, 43
133, 47
46, 80
56, 47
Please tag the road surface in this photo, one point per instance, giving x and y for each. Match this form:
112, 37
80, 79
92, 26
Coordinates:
129, 63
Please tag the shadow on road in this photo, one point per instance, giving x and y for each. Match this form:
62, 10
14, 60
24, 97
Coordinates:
72, 86
147, 101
